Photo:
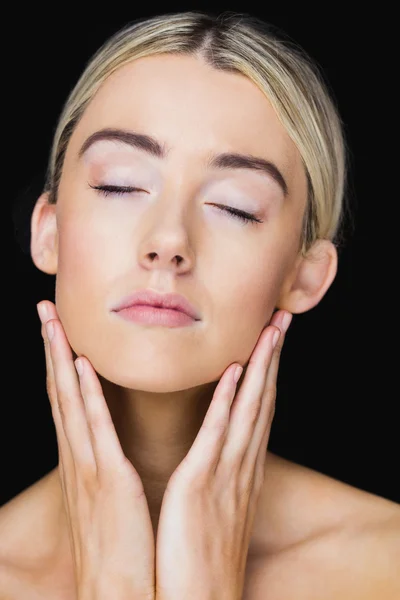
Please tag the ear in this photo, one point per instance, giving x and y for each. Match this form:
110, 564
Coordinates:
44, 235
310, 278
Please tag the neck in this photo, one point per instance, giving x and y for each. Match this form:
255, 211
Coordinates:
156, 431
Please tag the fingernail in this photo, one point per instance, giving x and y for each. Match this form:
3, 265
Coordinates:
286, 321
79, 366
50, 330
275, 338
237, 374
42, 311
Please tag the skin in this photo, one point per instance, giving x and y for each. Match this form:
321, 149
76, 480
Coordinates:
209, 504
158, 381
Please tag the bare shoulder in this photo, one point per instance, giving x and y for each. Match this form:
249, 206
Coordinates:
28, 546
27, 512
341, 542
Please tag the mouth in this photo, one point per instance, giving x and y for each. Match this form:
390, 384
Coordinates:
155, 315
158, 301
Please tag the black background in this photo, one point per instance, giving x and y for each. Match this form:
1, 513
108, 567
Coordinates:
337, 387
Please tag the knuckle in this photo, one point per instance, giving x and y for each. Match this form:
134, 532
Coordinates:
253, 411
185, 478
50, 387
96, 421
217, 427
281, 339
108, 478
259, 481
120, 470
125, 471
87, 475
253, 360
62, 412
279, 345
244, 491
55, 415
277, 352
271, 390
272, 413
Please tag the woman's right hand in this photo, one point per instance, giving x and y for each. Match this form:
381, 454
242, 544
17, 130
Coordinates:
111, 534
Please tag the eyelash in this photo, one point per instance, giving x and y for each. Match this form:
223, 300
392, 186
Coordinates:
107, 190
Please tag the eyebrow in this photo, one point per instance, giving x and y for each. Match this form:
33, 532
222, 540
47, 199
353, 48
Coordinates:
225, 160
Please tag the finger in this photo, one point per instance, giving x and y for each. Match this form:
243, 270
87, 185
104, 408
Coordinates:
70, 401
65, 461
107, 448
203, 457
50, 381
283, 322
257, 449
209, 449
249, 405
64, 451
259, 470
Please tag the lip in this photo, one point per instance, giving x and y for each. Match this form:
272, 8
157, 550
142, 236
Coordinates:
151, 298
160, 317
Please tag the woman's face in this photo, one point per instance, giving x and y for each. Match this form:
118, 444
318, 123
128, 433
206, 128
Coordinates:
111, 246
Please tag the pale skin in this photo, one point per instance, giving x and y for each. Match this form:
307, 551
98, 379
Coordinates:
158, 384
214, 489
170, 382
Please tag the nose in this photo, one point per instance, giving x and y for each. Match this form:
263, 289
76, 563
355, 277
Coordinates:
167, 246
158, 259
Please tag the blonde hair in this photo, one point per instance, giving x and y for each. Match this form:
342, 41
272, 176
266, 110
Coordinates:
234, 42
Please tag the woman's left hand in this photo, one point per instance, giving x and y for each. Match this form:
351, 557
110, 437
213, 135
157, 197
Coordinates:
210, 502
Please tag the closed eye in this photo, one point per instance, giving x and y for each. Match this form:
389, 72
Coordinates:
107, 190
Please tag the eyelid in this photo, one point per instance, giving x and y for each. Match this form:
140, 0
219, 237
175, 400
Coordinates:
241, 215
117, 189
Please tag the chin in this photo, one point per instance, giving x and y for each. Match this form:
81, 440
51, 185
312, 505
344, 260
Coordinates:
152, 378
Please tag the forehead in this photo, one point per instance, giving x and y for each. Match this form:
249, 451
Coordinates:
193, 107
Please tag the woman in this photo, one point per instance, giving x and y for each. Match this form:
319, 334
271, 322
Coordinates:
198, 164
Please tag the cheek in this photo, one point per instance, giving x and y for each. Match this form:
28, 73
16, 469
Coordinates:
81, 261
89, 250
246, 309
82, 282
95, 265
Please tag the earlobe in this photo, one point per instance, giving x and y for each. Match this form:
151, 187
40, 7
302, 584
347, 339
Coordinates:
310, 279
44, 235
